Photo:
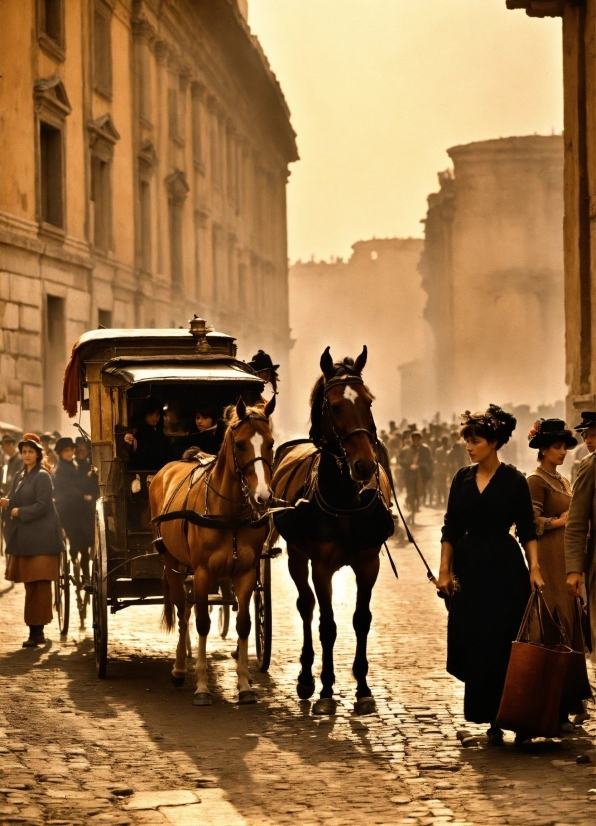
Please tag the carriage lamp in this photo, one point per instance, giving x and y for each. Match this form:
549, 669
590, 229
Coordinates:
198, 329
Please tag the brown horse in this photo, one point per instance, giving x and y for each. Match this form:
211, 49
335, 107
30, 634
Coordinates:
341, 497
211, 516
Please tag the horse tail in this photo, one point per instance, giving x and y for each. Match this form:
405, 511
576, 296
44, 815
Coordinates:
168, 618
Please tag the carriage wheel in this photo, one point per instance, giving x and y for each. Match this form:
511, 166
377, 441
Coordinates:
263, 619
100, 599
62, 593
223, 617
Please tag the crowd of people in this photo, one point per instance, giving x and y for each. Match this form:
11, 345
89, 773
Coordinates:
47, 495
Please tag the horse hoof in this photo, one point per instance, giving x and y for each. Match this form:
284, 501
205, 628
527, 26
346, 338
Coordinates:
247, 697
326, 705
177, 680
202, 698
305, 690
365, 705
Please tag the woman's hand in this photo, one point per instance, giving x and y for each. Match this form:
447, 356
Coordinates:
4, 502
536, 581
130, 440
445, 583
14, 513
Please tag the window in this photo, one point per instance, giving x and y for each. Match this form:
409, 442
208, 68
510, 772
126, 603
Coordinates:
104, 319
177, 192
176, 112
214, 154
50, 27
103, 138
101, 197
52, 182
144, 82
102, 48
54, 356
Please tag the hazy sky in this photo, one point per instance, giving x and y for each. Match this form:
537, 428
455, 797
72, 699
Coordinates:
379, 89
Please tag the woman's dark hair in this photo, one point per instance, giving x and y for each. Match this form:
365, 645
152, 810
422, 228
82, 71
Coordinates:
494, 425
145, 408
208, 410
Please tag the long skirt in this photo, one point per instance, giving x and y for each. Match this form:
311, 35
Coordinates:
37, 573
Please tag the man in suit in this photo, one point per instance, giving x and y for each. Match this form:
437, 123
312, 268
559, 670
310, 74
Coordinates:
11, 466
580, 538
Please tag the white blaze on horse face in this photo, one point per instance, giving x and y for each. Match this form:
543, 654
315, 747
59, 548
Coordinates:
262, 489
350, 394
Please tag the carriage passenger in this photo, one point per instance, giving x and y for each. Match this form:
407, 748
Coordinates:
207, 431
150, 448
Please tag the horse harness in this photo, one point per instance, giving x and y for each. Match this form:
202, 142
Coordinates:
204, 470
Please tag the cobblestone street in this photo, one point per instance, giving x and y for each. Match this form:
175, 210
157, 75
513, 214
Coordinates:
133, 749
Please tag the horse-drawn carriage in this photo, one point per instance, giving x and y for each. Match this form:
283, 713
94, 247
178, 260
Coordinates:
110, 373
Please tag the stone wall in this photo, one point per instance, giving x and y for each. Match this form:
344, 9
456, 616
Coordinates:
144, 170
493, 272
374, 298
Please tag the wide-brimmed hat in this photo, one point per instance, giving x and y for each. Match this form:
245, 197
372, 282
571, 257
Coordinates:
548, 431
8, 438
64, 442
588, 420
47, 437
31, 440
262, 361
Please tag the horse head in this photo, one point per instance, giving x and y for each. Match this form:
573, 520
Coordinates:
342, 416
251, 454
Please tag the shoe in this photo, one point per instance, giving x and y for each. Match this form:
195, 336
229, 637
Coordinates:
30, 643
495, 736
521, 738
566, 727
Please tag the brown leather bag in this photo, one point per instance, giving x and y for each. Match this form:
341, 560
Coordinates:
535, 677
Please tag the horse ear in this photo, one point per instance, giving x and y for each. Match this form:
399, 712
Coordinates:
270, 406
327, 363
240, 409
361, 360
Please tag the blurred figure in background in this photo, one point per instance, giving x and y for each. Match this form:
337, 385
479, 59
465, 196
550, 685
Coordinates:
441, 475
458, 455
417, 467
587, 430
10, 467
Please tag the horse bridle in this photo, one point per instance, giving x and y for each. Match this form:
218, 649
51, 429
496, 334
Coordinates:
340, 381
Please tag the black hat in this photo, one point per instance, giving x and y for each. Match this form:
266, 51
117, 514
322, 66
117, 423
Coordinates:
8, 438
81, 440
262, 361
63, 443
548, 431
588, 420
47, 437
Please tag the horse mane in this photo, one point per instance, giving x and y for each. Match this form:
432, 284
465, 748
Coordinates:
340, 368
230, 416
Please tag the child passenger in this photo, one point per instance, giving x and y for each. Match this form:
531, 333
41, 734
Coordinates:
150, 448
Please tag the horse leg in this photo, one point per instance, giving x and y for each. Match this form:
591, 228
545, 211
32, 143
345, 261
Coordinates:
322, 575
366, 576
201, 589
298, 567
244, 587
188, 638
177, 595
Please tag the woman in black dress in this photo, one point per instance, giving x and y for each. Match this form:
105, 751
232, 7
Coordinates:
207, 431
482, 567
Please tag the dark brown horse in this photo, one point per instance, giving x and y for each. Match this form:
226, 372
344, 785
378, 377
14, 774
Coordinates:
341, 498
211, 515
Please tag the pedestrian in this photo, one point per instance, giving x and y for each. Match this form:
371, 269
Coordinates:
551, 496
13, 462
417, 466
458, 455
36, 541
150, 448
482, 568
442, 471
74, 503
580, 540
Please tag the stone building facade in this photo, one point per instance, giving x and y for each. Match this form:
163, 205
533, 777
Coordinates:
493, 270
374, 298
579, 84
145, 149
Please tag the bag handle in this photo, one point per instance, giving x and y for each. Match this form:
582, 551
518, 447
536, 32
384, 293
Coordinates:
537, 599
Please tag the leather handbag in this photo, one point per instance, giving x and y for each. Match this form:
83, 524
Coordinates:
535, 676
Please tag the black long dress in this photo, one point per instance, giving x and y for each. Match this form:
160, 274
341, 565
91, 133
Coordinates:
486, 613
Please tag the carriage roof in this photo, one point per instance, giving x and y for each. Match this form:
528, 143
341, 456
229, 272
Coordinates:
127, 357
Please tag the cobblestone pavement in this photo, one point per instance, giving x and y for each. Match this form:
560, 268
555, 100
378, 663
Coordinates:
133, 749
